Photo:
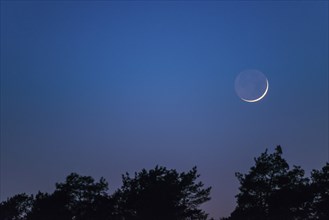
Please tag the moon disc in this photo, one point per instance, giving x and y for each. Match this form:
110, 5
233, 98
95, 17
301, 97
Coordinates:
251, 85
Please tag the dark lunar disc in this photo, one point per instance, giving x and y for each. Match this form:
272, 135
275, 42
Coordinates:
251, 85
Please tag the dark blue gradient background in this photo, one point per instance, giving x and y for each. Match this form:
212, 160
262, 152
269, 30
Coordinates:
101, 88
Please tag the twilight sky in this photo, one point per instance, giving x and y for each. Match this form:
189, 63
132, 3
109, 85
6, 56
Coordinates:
101, 88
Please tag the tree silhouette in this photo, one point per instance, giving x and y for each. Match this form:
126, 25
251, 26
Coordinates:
162, 194
50, 207
16, 207
272, 191
155, 194
79, 198
320, 189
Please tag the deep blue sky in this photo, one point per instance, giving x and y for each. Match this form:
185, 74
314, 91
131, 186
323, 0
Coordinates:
101, 88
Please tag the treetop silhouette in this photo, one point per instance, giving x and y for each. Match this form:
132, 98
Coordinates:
270, 190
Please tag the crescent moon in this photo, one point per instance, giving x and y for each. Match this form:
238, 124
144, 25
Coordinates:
262, 96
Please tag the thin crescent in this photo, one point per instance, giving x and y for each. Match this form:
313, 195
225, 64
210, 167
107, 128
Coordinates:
262, 96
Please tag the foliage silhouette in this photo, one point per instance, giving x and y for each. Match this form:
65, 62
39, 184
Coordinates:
162, 194
155, 194
271, 191
16, 207
320, 190
79, 198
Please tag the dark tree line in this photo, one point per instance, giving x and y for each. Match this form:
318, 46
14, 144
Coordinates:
271, 190
150, 195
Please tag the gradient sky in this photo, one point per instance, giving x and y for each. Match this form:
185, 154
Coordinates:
101, 88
